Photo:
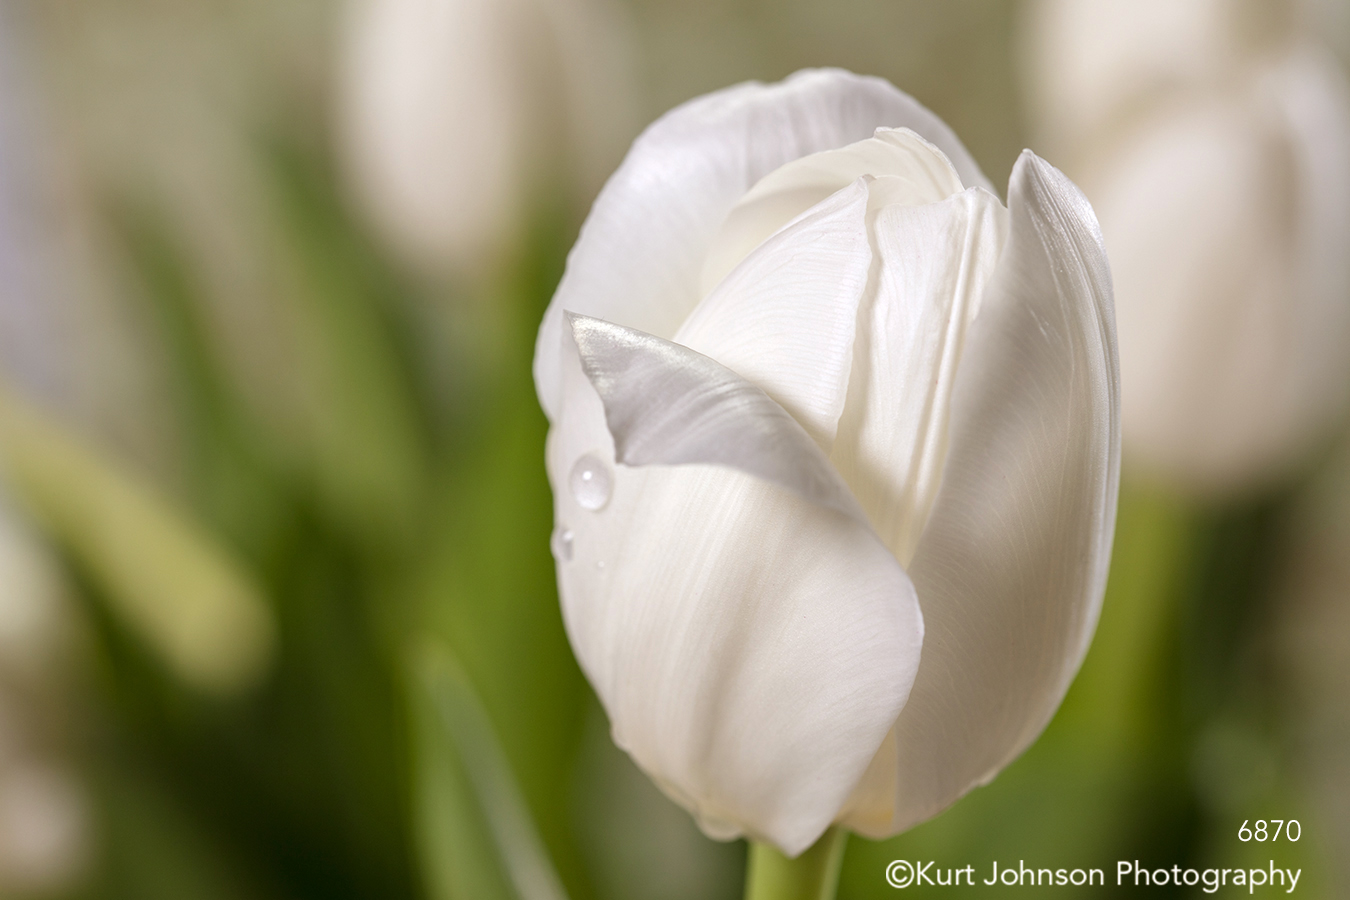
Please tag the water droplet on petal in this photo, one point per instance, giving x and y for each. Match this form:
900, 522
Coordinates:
562, 543
591, 482
599, 563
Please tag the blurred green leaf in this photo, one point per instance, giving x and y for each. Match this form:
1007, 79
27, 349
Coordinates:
1233, 695
487, 584
477, 838
368, 415
166, 578
306, 779
154, 850
232, 468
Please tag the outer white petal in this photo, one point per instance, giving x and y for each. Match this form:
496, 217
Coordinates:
640, 254
1013, 563
751, 647
933, 262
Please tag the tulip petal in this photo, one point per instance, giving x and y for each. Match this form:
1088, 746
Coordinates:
920, 172
751, 647
785, 318
1013, 562
933, 264
640, 255
666, 404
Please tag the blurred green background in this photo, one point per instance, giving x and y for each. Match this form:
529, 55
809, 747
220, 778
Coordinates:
227, 379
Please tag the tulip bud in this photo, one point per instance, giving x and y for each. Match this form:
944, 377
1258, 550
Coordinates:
1214, 141
834, 455
455, 113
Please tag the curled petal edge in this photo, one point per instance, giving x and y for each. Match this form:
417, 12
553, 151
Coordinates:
666, 404
1012, 565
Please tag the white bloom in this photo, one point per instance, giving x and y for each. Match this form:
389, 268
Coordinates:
1213, 137
454, 111
842, 384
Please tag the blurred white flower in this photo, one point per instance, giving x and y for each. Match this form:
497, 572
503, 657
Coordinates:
455, 113
806, 375
1213, 138
43, 810
43, 825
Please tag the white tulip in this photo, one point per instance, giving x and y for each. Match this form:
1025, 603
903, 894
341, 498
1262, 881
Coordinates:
804, 382
453, 113
1213, 138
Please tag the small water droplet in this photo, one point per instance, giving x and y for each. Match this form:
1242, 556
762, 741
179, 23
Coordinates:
599, 563
562, 543
590, 482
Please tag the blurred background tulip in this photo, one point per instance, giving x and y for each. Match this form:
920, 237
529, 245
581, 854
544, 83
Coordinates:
1212, 138
1214, 141
277, 612
457, 115
44, 815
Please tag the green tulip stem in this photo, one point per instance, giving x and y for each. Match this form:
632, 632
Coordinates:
812, 876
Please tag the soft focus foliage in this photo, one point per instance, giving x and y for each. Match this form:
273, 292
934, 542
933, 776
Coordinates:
184, 596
